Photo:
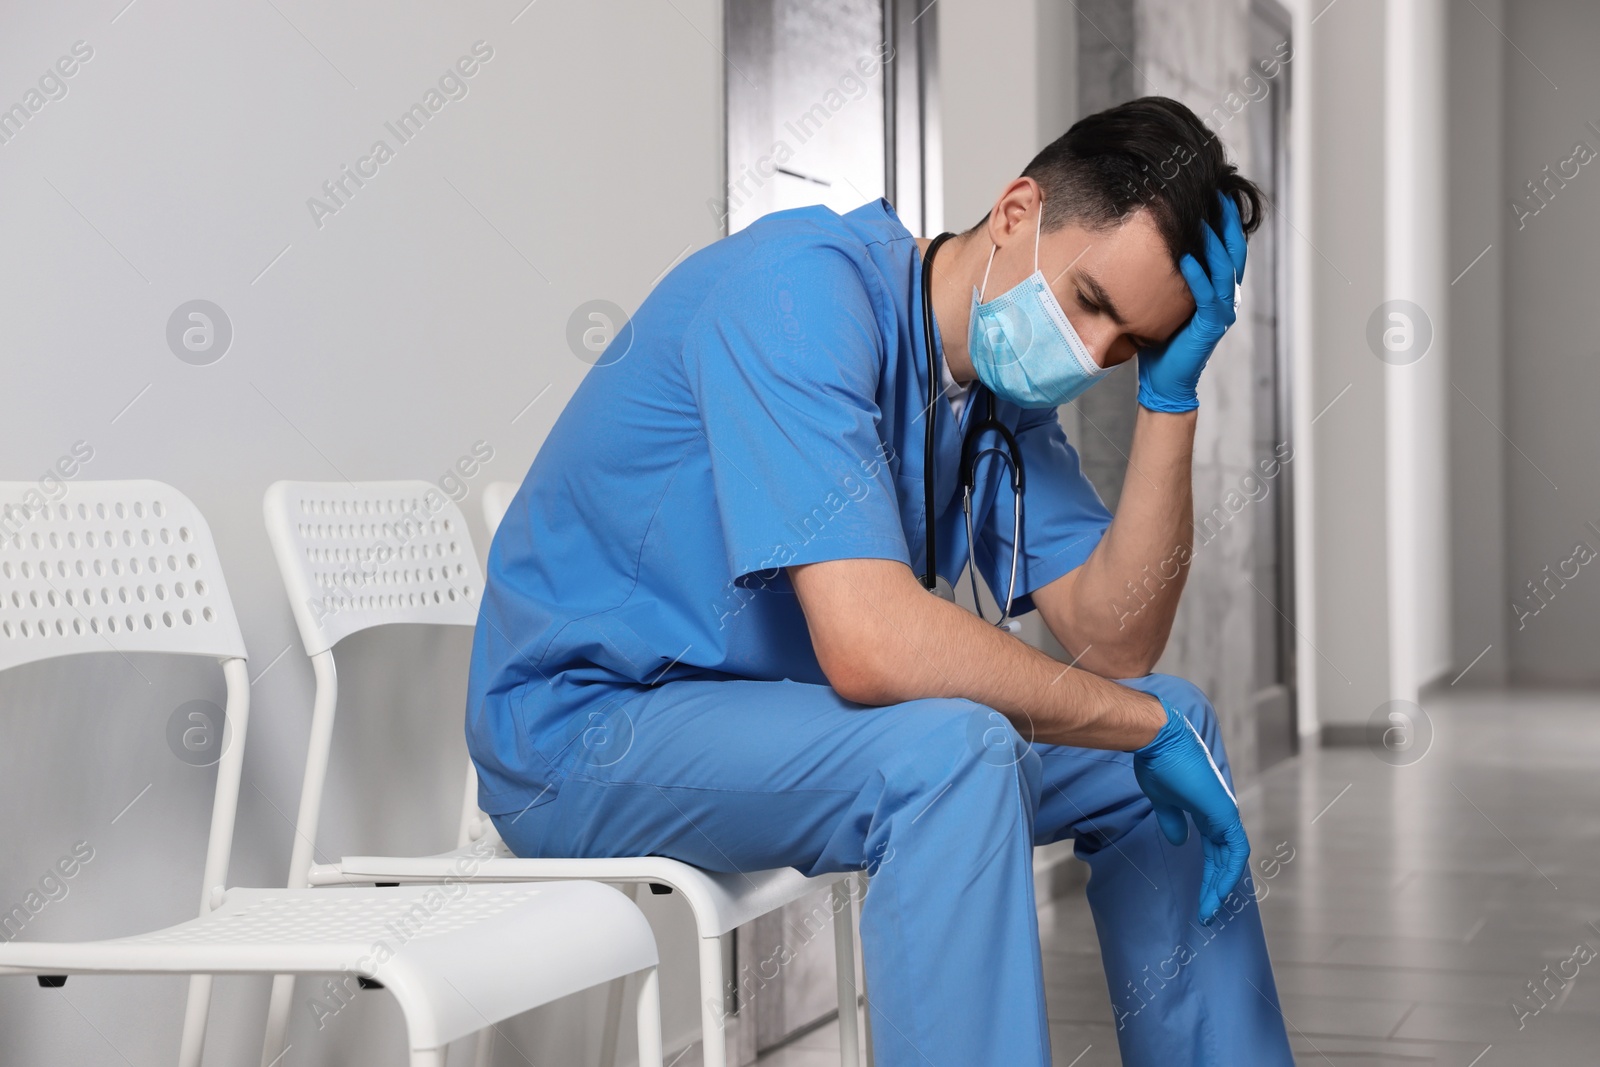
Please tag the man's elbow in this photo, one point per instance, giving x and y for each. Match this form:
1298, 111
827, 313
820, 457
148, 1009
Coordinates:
855, 646
1130, 667
1126, 659
1123, 652
859, 676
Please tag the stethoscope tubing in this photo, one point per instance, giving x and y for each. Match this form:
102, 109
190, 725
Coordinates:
930, 576
970, 455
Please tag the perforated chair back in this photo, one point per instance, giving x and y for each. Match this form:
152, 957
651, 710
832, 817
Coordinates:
124, 566
128, 566
354, 555
497, 497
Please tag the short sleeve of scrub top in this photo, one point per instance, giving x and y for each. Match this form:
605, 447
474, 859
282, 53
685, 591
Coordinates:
785, 371
1063, 517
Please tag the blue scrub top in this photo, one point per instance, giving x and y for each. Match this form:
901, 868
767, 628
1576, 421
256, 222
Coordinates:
765, 410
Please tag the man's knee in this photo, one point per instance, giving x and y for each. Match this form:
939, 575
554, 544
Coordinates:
1188, 699
953, 736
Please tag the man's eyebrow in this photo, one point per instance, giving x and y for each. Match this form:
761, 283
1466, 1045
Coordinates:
1098, 294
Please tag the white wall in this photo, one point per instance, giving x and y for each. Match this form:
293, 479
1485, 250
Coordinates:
421, 318
1477, 205
1005, 91
1417, 391
1552, 375
1511, 420
1349, 653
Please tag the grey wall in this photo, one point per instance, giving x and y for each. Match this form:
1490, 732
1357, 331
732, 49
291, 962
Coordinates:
1477, 212
1198, 53
1552, 374
426, 315
1120, 49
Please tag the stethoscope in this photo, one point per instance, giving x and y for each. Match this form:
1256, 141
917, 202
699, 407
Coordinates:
971, 453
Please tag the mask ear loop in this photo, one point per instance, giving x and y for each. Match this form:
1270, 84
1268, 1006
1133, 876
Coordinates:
985, 287
1038, 227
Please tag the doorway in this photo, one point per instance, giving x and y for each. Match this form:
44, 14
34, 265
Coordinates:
830, 102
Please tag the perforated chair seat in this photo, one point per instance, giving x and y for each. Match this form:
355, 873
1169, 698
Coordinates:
449, 966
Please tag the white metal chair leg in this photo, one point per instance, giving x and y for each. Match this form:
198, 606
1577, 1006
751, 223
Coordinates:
866, 994
712, 1002
194, 1021
429, 1057
483, 1047
616, 993
277, 1019
844, 952
866, 1025
224, 808
649, 1019
303, 849
469, 807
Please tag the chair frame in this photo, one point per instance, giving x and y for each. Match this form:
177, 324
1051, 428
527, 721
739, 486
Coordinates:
719, 903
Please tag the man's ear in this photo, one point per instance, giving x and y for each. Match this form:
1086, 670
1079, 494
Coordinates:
1014, 210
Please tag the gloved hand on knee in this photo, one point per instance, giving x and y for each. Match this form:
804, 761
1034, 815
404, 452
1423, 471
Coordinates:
1177, 773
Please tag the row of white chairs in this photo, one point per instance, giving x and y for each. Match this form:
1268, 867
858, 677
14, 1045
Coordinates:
130, 566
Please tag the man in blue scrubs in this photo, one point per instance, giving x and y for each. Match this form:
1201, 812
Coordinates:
704, 635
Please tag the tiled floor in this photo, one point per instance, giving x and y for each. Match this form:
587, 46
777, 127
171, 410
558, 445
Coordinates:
1420, 903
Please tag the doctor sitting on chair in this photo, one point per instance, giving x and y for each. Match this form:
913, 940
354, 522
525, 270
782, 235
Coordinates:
718, 626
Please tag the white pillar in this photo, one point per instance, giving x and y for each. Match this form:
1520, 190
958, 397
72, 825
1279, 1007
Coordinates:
1416, 400
1304, 268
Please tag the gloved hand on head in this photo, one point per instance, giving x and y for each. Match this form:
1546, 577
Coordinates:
1169, 374
1177, 773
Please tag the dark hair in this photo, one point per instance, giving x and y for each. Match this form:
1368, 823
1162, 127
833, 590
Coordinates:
1150, 153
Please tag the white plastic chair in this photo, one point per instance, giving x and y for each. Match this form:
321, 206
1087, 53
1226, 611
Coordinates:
130, 566
311, 560
497, 497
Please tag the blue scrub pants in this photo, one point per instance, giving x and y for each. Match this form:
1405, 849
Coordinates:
943, 802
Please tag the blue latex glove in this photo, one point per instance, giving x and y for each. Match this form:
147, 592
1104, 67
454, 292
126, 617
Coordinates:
1177, 773
1169, 374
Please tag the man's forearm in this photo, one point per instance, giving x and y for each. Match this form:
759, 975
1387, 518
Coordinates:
882, 639
1116, 611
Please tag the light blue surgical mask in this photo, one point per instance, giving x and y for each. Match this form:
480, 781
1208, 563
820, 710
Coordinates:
1024, 347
